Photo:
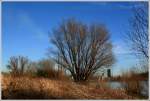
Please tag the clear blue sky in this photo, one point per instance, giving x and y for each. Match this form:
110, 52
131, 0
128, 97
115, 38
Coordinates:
25, 27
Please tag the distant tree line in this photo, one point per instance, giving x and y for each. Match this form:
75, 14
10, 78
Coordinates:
22, 66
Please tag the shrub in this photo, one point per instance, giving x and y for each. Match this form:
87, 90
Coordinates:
46, 69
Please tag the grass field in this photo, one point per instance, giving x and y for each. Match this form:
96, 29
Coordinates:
43, 88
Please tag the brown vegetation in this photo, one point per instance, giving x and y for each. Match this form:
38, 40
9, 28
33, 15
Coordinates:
42, 88
133, 77
46, 82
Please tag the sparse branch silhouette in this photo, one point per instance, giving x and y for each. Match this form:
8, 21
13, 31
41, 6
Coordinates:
137, 36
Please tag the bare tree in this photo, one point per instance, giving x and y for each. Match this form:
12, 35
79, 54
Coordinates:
82, 49
137, 36
23, 61
17, 64
13, 65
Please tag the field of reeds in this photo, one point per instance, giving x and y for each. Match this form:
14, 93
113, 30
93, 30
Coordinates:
25, 87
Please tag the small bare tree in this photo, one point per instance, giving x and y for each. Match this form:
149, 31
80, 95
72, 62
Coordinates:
17, 64
82, 49
137, 36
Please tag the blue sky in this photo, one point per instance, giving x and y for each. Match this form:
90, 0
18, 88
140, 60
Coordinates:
25, 27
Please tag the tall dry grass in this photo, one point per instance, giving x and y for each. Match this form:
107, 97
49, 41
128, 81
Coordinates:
45, 88
132, 87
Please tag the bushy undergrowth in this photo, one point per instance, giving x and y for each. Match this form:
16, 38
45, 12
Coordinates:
51, 74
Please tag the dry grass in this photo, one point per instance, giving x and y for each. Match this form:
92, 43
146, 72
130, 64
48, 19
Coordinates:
133, 87
42, 88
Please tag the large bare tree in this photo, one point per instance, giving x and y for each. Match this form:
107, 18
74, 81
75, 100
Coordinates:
82, 49
137, 36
